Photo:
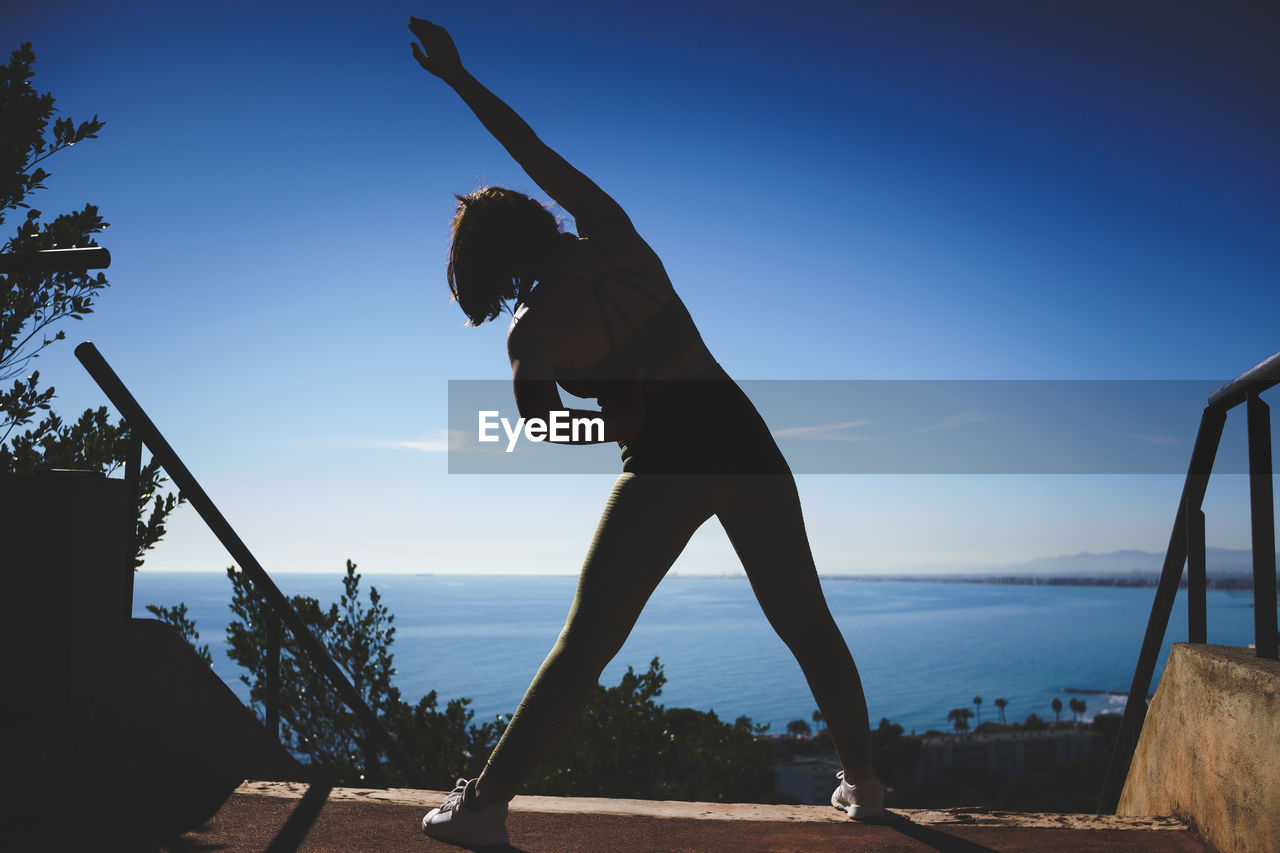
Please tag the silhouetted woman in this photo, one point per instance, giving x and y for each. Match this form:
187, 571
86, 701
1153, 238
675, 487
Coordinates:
603, 321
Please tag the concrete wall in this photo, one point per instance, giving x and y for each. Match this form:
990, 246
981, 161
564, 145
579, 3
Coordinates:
1210, 748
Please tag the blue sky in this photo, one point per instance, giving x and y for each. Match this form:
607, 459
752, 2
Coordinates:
915, 190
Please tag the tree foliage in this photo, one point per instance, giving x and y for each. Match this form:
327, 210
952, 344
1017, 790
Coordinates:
444, 743
799, 728
34, 304
895, 757
627, 745
624, 745
315, 723
177, 617
960, 718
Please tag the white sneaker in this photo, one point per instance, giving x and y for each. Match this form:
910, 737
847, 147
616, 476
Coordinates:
864, 801
454, 821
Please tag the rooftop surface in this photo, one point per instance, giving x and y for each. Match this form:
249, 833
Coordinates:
278, 817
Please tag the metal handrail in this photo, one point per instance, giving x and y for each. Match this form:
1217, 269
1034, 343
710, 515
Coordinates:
1187, 547
1254, 381
142, 427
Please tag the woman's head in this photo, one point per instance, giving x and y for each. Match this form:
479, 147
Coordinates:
501, 243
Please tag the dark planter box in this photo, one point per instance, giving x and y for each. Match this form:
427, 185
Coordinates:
112, 727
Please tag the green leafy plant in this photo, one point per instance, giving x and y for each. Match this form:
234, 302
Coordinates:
625, 744
314, 721
177, 617
34, 304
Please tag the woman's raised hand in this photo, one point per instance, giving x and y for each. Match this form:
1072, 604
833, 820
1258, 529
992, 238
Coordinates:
437, 53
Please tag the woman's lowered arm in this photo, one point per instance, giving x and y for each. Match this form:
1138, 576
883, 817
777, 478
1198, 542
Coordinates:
572, 190
533, 380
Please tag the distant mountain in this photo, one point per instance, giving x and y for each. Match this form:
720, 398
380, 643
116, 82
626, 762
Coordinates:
1219, 562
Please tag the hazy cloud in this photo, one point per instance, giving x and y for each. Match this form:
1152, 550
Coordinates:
956, 420
441, 443
1162, 440
824, 432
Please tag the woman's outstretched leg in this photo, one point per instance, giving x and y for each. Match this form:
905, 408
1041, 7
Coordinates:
765, 524
646, 523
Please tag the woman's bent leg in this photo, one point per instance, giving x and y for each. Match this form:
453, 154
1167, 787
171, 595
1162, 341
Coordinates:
646, 523
765, 524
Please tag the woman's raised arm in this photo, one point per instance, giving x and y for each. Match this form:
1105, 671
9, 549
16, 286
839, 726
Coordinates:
572, 190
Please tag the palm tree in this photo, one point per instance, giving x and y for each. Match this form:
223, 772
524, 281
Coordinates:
977, 701
1001, 704
817, 720
960, 716
1077, 708
1056, 705
798, 728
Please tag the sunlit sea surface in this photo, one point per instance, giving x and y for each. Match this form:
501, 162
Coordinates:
922, 648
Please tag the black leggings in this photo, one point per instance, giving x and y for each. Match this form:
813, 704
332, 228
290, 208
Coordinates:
646, 523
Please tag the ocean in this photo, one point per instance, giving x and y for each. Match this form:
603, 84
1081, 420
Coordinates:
922, 648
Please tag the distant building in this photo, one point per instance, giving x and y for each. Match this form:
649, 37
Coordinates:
1006, 755
809, 778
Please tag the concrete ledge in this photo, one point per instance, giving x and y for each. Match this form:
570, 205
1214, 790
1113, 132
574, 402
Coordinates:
678, 810
294, 817
303, 819
1210, 748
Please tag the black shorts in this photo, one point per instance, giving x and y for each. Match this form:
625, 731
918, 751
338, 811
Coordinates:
702, 425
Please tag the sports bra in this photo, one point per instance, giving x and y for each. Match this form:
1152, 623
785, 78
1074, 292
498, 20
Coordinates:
650, 346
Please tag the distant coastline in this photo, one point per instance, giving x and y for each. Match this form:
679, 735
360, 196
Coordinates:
1017, 642
1131, 580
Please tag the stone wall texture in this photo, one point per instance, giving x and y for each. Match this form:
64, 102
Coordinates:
1209, 753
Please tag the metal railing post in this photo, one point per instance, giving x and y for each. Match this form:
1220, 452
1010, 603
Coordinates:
1208, 436
1197, 621
1186, 544
273, 673
1263, 525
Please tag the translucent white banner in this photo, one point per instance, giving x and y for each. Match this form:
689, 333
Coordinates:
899, 427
